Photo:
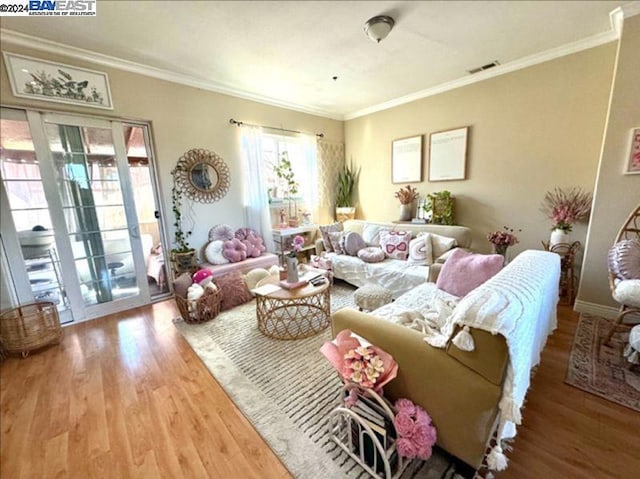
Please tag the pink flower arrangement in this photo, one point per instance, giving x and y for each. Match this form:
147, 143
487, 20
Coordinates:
506, 237
296, 245
365, 365
362, 366
416, 432
566, 207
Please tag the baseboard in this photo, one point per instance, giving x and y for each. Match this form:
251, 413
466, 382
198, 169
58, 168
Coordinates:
595, 309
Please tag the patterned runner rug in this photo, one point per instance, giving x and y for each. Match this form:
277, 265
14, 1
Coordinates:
599, 369
286, 389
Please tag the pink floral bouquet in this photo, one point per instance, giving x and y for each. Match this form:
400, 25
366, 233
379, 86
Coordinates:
506, 237
296, 245
566, 207
416, 432
365, 365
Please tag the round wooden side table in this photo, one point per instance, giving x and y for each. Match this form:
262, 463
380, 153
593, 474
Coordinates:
293, 314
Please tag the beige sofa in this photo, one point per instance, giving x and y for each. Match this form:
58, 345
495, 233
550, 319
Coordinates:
462, 390
395, 275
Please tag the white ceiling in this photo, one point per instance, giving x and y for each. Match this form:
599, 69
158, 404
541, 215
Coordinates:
287, 52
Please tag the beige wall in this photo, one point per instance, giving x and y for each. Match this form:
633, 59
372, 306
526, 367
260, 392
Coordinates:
183, 118
616, 194
531, 130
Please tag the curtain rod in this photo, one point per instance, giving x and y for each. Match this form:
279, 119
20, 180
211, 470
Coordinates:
241, 123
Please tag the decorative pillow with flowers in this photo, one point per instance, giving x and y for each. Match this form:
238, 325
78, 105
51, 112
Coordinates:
395, 244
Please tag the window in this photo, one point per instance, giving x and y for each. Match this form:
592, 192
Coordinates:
301, 154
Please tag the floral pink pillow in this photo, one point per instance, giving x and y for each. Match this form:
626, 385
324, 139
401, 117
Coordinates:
395, 244
465, 271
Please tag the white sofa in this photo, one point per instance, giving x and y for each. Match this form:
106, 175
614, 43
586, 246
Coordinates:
395, 275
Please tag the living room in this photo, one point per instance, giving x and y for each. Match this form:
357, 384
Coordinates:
560, 117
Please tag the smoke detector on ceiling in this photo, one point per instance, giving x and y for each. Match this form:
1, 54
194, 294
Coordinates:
494, 63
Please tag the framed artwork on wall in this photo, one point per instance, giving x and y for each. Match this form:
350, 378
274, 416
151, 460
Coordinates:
448, 154
58, 82
632, 166
406, 160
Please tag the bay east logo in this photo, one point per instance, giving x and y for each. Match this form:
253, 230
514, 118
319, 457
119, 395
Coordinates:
62, 7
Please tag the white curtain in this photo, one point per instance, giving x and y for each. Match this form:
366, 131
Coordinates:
309, 151
256, 200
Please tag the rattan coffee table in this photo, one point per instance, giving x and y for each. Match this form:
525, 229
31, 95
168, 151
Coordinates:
293, 314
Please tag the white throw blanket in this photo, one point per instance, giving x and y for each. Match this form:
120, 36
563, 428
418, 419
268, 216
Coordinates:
519, 303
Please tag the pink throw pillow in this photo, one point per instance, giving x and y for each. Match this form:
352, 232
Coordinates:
234, 250
395, 244
234, 290
465, 271
254, 244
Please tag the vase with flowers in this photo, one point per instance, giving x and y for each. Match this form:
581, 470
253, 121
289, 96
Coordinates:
407, 196
292, 260
564, 208
502, 239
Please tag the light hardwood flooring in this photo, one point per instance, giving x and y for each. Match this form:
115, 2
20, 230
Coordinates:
125, 397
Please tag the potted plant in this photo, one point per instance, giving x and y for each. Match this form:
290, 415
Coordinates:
183, 256
564, 208
440, 206
407, 196
346, 181
284, 172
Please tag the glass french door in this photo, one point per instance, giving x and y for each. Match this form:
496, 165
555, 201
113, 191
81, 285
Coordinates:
71, 226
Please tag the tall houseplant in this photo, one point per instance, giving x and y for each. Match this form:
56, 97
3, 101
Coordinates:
183, 256
346, 182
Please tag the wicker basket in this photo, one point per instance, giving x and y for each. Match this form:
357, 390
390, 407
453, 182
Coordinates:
207, 307
29, 327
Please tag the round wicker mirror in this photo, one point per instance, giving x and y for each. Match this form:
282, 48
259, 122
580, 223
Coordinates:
202, 176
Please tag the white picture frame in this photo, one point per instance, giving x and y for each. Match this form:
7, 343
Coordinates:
406, 160
57, 82
448, 154
632, 163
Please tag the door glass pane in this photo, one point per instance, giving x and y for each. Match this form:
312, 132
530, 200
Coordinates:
91, 194
20, 173
143, 191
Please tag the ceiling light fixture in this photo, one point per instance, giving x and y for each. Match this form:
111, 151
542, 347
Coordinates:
377, 28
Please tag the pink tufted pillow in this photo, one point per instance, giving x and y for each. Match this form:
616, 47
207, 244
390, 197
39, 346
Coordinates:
395, 244
254, 244
465, 271
371, 254
624, 259
221, 232
234, 290
352, 242
234, 250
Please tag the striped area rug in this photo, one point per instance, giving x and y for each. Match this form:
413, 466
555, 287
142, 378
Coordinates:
286, 389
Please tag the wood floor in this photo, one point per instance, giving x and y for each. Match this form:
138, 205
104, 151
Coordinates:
126, 397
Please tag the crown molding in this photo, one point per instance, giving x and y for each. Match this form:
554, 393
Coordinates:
568, 49
29, 41
631, 9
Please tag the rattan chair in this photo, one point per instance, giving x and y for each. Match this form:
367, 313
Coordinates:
630, 231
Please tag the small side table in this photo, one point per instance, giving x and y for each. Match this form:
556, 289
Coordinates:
568, 276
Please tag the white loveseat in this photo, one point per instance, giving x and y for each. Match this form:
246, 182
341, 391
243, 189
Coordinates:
395, 275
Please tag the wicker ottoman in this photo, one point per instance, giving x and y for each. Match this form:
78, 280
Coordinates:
371, 296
